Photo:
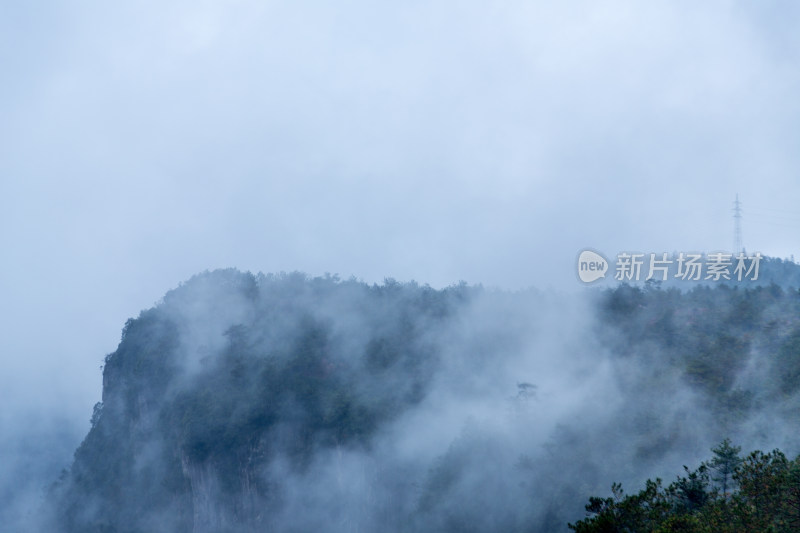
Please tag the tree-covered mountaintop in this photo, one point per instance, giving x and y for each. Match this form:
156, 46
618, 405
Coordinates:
287, 403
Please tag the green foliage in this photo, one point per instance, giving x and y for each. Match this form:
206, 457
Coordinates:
724, 464
766, 498
708, 335
284, 381
787, 363
304, 365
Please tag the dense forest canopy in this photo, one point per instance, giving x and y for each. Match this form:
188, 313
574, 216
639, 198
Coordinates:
287, 403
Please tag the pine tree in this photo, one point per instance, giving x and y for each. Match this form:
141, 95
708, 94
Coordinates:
725, 462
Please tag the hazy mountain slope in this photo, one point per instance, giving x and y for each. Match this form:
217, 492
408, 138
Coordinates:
283, 403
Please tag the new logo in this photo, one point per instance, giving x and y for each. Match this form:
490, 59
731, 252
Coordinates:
591, 266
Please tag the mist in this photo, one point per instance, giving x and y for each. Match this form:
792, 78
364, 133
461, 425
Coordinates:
290, 403
142, 144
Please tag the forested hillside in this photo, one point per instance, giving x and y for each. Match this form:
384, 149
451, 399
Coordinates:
286, 403
729, 493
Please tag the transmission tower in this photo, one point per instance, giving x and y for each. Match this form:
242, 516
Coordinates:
737, 226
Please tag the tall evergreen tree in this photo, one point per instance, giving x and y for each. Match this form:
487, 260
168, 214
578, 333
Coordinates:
725, 462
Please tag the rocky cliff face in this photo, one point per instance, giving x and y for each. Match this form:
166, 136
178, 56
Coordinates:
228, 377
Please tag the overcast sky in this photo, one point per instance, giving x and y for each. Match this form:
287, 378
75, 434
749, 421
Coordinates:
143, 142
